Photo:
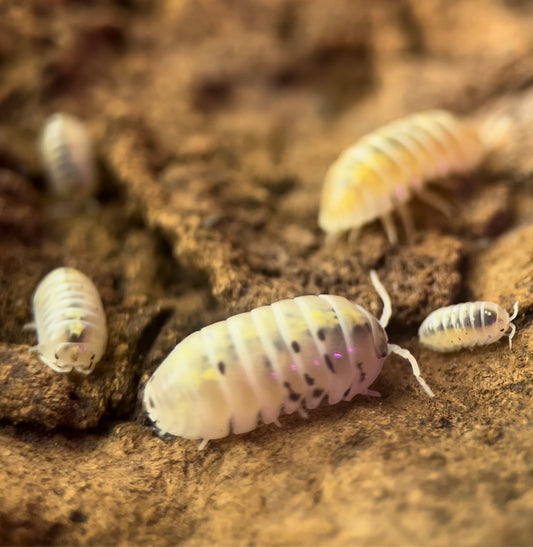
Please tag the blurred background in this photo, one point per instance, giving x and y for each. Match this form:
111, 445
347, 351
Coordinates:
213, 124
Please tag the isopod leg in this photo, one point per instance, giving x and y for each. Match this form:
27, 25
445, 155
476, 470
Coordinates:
390, 230
435, 201
372, 393
203, 444
402, 352
30, 326
353, 236
406, 219
331, 238
303, 414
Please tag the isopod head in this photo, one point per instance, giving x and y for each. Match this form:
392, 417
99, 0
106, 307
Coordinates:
66, 356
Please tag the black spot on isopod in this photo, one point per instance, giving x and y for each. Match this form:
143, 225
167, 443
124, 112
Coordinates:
362, 374
317, 392
268, 363
321, 334
92, 357
295, 346
345, 394
502, 330
293, 396
329, 363
222, 367
56, 356
151, 402
308, 379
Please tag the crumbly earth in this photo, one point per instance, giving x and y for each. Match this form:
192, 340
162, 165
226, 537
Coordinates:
214, 123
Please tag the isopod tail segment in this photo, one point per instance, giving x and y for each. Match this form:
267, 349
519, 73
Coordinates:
512, 326
393, 348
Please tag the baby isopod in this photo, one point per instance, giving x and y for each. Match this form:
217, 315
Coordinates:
381, 171
226, 376
66, 152
466, 325
70, 322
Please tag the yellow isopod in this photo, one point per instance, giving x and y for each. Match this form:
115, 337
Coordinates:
381, 171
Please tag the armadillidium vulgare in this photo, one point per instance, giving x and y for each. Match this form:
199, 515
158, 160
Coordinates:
382, 170
70, 321
66, 152
228, 375
466, 325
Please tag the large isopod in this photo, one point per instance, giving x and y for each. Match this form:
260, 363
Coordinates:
228, 375
66, 152
70, 321
466, 325
382, 170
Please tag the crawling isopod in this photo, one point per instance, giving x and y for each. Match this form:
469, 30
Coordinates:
226, 376
381, 171
70, 321
66, 152
466, 325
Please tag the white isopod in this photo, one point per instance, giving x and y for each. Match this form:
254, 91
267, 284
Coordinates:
226, 376
70, 321
466, 325
66, 152
381, 171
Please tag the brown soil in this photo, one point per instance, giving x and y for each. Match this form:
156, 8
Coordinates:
214, 122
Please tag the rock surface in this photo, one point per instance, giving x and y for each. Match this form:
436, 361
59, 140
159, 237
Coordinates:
214, 124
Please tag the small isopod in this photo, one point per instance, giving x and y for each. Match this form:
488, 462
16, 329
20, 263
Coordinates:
381, 171
66, 152
466, 325
226, 376
70, 321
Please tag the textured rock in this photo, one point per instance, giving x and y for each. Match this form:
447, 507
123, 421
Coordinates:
214, 123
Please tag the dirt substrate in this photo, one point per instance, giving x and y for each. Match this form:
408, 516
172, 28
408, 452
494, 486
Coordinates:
214, 123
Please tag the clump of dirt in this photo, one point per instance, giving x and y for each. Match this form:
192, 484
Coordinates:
214, 124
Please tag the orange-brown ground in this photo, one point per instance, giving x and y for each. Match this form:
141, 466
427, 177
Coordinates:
214, 123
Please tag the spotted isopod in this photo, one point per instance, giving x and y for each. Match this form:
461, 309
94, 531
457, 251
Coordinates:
466, 325
66, 152
70, 321
226, 376
382, 170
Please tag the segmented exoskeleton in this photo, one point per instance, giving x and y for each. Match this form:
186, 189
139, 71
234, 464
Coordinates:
226, 376
382, 170
466, 325
66, 152
70, 321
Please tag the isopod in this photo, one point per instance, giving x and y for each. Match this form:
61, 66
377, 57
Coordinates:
466, 325
70, 321
66, 152
228, 375
381, 171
